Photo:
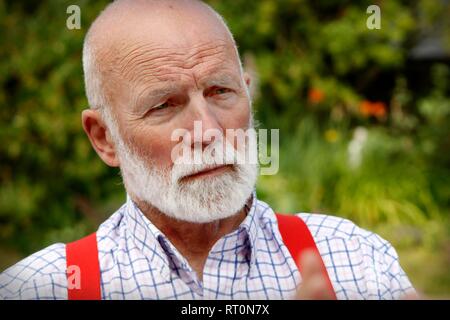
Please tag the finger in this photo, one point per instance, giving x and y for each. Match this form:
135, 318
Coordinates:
313, 289
314, 283
311, 264
412, 296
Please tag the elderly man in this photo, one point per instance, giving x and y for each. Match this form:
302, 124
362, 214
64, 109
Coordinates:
191, 230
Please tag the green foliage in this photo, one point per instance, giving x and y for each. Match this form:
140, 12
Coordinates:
361, 136
50, 178
324, 78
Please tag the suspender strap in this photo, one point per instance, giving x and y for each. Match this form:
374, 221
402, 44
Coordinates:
297, 238
83, 270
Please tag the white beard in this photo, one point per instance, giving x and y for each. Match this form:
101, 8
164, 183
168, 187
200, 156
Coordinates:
198, 200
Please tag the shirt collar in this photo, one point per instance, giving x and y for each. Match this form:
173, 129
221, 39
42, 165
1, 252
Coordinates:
249, 229
164, 256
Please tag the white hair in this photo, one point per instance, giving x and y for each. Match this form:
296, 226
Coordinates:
202, 200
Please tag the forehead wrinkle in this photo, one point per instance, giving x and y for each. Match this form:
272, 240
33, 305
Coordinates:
202, 53
151, 60
133, 50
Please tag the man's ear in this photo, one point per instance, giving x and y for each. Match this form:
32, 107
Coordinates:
249, 84
99, 136
247, 79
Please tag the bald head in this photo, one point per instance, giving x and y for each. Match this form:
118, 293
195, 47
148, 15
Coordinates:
129, 34
129, 18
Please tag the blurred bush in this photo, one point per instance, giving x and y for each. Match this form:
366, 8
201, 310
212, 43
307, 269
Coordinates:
363, 120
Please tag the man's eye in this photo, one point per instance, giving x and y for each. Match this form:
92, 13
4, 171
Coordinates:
219, 91
161, 106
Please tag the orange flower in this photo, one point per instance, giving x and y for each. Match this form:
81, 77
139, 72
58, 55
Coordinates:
377, 109
315, 95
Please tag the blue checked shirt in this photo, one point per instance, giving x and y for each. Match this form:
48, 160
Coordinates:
138, 262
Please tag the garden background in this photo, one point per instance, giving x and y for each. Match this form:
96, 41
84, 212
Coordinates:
363, 117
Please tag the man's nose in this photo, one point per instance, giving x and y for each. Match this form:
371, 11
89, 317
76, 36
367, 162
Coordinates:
204, 121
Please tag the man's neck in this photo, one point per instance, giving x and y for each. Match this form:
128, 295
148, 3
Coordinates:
194, 240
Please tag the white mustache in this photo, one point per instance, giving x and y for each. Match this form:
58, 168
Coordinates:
207, 160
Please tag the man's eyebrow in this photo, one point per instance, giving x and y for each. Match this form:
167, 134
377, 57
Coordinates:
220, 80
160, 91
153, 94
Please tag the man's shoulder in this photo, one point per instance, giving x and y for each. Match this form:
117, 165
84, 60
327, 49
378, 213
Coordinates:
42, 275
360, 262
324, 226
39, 276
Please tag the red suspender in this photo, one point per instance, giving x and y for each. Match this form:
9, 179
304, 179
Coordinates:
82, 262
297, 238
83, 254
